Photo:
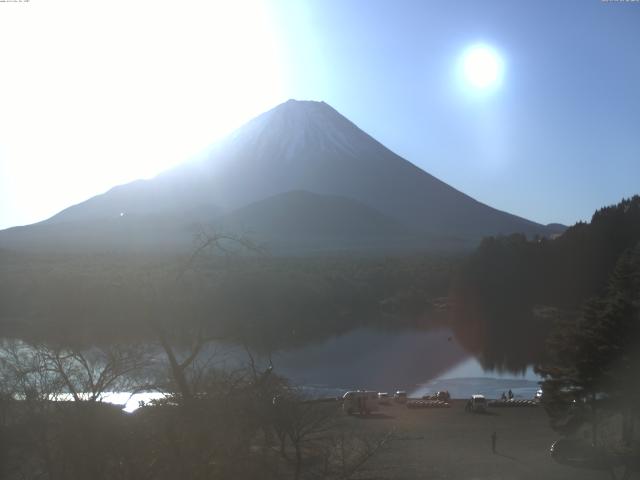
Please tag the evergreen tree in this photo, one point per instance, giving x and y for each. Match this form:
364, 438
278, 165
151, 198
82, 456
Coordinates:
499, 288
596, 354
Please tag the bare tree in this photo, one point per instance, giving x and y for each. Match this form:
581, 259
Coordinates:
314, 441
88, 374
304, 424
51, 438
189, 353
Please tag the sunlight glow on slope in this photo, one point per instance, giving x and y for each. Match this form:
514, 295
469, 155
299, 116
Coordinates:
97, 94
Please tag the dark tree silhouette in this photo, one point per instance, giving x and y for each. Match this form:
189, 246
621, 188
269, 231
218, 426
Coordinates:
500, 288
591, 371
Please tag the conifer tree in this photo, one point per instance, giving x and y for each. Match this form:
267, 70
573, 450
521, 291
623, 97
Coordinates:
596, 354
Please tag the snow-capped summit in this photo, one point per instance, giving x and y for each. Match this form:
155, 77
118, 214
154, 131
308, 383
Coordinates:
297, 125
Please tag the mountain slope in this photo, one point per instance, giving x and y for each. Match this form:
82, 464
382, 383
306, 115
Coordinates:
297, 146
310, 146
303, 213
305, 221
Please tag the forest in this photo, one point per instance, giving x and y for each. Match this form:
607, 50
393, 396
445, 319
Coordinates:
514, 293
265, 301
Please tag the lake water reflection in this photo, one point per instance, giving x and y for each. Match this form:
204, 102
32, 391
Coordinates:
416, 360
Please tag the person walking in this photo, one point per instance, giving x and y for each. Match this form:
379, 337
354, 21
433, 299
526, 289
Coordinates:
494, 439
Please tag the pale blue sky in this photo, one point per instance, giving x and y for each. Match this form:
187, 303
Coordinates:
94, 94
559, 139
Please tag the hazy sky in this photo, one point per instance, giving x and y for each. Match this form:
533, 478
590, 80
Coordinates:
94, 94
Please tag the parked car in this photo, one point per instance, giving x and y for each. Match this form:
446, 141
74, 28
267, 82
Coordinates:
384, 398
477, 403
360, 401
400, 396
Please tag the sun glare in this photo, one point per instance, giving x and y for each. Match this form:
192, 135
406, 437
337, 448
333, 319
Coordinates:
131, 90
482, 67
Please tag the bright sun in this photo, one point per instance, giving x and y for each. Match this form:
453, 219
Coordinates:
482, 67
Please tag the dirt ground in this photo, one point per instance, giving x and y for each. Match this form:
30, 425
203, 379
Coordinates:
449, 443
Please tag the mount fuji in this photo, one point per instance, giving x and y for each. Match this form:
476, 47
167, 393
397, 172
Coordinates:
300, 177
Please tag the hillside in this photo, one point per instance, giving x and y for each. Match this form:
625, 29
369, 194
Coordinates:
300, 221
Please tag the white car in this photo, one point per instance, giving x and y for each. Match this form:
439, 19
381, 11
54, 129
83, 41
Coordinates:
477, 403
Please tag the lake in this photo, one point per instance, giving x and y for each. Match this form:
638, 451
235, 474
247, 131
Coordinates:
416, 360
419, 361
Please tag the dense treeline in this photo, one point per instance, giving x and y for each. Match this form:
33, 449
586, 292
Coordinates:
504, 289
596, 351
268, 302
591, 387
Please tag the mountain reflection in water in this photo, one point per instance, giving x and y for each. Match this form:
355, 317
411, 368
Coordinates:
419, 361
